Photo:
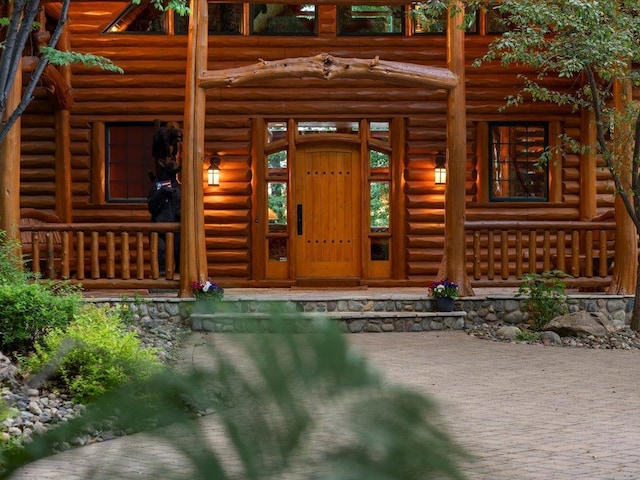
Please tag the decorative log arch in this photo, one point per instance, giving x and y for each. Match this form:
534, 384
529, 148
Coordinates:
328, 67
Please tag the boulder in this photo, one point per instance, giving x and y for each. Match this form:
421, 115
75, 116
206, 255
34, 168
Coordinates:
508, 332
9, 375
577, 323
550, 338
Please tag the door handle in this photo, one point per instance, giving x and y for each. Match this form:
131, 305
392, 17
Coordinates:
299, 218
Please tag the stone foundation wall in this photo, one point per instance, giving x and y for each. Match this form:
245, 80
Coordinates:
396, 313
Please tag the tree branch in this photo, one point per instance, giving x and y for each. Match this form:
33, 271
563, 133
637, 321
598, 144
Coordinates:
27, 96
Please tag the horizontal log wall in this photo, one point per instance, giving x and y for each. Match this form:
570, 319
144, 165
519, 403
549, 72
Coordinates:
153, 88
38, 153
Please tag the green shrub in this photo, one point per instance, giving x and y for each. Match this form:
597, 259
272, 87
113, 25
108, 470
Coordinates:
527, 336
545, 297
12, 269
30, 310
94, 355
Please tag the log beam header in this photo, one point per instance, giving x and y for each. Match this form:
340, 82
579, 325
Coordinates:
328, 67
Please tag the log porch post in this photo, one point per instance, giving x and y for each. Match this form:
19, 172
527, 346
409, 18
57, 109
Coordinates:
454, 262
625, 262
10, 167
193, 254
64, 202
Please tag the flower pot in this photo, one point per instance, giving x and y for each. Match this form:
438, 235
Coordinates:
445, 304
205, 305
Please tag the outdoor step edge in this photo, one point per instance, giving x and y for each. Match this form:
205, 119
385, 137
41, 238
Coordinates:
343, 315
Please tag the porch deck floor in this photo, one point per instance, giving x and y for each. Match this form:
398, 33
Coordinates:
292, 294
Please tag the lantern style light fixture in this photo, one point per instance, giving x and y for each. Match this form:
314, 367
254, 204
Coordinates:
441, 169
213, 172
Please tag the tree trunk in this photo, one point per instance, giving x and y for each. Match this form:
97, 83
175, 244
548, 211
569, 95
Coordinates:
635, 315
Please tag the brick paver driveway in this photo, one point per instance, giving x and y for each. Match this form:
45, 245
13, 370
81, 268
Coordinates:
526, 412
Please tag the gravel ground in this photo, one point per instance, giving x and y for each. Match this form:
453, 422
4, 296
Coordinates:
37, 409
623, 339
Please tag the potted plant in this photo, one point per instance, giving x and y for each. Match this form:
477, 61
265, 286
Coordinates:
445, 292
207, 294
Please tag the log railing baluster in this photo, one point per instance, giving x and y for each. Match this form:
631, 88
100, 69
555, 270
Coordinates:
588, 254
504, 254
533, 252
80, 255
153, 253
490, 256
546, 251
477, 264
519, 253
94, 255
575, 253
111, 255
125, 266
140, 255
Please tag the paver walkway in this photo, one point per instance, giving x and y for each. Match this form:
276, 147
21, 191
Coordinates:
527, 412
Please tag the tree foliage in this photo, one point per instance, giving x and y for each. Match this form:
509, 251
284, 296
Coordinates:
18, 21
595, 45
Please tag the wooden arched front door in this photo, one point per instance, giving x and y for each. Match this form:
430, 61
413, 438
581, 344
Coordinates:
328, 201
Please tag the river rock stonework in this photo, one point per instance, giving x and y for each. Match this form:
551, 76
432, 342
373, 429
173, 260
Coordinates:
395, 312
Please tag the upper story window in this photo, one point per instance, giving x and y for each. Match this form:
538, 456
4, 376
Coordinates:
128, 161
429, 18
142, 18
370, 20
280, 19
515, 173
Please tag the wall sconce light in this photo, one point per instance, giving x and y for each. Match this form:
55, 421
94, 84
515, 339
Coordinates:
213, 172
441, 169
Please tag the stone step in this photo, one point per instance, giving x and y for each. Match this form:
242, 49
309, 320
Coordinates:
350, 321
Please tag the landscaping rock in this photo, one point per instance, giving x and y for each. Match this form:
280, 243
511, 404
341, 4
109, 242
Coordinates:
508, 332
578, 323
550, 338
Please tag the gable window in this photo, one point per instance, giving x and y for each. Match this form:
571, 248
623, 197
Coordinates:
370, 20
514, 170
142, 18
128, 161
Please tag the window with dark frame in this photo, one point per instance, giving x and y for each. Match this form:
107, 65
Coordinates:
423, 24
515, 170
281, 19
301, 19
128, 161
370, 20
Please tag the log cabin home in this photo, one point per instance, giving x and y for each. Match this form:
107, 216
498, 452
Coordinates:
353, 145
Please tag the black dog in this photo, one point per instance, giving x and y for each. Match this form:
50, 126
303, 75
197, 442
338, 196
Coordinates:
164, 197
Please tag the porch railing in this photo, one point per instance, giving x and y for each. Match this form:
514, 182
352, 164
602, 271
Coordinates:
98, 255
123, 256
501, 252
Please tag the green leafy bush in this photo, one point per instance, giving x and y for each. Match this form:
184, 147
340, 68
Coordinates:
545, 297
528, 336
30, 310
11, 266
93, 355
30, 306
